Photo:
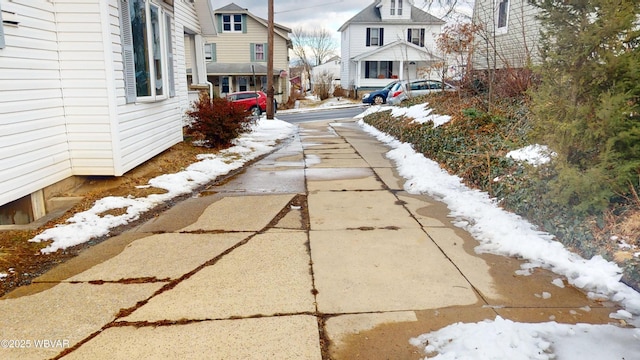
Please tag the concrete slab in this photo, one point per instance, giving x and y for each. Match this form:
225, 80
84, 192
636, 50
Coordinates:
292, 220
66, 312
163, 256
230, 213
390, 339
383, 270
533, 291
474, 268
268, 338
390, 178
179, 216
319, 179
357, 209
279, 172
338, 328
268, 275
328, 162
428, 212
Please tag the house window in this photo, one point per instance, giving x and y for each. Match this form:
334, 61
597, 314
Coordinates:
146, 41
210, 52
399, 7
393, 7
378, 69
224, 88
503, 13
375, 36
416, 36
232, 23
259, 51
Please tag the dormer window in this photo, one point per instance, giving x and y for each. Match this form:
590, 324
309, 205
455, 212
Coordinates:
395, 8
232, 23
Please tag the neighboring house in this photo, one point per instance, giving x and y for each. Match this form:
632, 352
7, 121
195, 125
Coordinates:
236, 52
390, 39
509, 34
91, 89
332, 68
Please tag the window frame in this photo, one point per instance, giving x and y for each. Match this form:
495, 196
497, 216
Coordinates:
370, 36
411, 34
392, 10
210, 52
257, 53
399, 7
502, 16
235, 21
148, 46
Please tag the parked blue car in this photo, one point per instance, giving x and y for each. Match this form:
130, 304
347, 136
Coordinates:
378, 97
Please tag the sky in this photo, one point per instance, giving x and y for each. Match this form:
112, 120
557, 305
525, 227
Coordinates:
497, 231
328, 14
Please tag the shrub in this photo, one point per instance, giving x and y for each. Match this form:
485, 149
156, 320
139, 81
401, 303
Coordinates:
216, 122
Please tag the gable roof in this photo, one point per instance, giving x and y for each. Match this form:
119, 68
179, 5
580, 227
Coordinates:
233, 8
371, 15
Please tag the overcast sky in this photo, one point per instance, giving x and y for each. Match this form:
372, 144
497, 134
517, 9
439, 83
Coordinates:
328, 14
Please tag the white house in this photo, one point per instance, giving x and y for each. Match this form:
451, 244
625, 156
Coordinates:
389, 39
509, 35
87, 88
332, 68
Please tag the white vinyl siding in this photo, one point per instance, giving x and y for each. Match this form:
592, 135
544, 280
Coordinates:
33, 144
63, 110
516, 43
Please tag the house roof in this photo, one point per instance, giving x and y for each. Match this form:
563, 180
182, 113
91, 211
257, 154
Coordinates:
371, 15
260, 69
233, 8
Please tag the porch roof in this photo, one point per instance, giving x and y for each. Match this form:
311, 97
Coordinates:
214, 68
395, 51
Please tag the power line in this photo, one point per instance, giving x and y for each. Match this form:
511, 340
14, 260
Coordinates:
309, 7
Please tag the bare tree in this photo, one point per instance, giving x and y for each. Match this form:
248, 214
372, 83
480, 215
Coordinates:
313, 47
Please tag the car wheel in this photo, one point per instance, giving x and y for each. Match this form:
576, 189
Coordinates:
378, 100
255, 111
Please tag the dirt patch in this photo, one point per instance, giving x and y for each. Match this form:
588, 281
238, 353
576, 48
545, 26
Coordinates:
22, 260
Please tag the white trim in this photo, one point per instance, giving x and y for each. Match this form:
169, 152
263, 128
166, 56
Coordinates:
503, 29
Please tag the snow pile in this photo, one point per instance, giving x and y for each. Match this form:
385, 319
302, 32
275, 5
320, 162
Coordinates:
92, 223
504, 233
505, 339
419, 113
533, 154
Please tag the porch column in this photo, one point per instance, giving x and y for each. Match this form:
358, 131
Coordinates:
358, 73
401, 77
199, 68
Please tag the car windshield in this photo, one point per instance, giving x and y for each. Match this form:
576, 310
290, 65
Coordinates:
390, 85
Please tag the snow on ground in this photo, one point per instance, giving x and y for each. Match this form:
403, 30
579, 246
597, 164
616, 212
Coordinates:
533, 154
420, 113
503, 233
86, 225
504, 339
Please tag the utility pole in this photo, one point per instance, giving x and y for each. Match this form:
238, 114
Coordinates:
270, 89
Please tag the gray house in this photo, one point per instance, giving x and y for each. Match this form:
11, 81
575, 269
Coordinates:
509, 34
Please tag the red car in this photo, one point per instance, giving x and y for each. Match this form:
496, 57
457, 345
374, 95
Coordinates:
247, 99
